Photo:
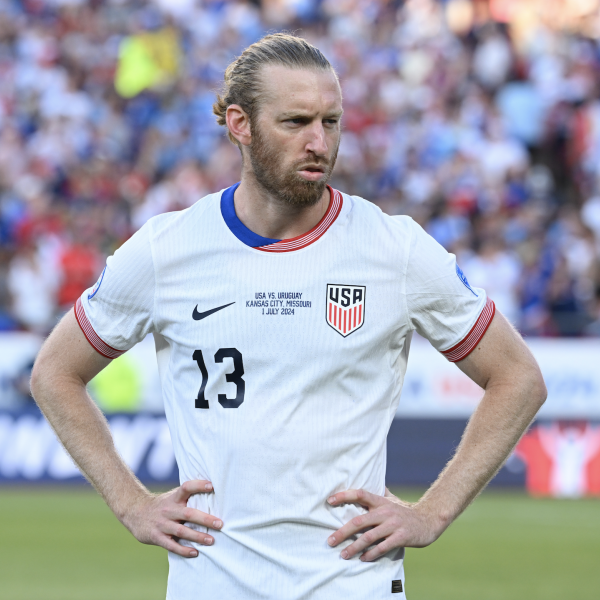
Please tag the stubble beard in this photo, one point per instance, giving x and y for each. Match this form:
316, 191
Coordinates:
287, 186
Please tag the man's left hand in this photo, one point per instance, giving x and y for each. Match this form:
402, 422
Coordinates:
390, 521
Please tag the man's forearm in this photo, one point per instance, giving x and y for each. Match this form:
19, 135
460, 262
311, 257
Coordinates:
502, 416
65, 364
514, 391
84, 433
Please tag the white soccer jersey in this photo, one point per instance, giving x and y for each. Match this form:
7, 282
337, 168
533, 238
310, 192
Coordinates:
281, 364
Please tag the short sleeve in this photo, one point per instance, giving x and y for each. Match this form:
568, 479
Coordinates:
117, 312
441, 304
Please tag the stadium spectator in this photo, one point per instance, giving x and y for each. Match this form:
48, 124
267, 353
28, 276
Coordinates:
481, 120
33, 289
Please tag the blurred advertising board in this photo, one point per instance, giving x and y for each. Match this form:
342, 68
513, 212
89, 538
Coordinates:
17, 353
433, 387
30, 451
560, 456
561, 459
417, 450
129, 384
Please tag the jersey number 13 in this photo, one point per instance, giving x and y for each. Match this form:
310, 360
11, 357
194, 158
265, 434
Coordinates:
234, 377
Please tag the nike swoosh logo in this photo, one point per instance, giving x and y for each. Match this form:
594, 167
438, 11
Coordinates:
198, 316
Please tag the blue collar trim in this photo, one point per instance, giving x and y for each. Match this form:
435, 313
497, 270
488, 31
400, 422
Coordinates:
238, 229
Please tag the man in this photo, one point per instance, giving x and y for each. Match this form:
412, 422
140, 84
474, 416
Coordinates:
282, 312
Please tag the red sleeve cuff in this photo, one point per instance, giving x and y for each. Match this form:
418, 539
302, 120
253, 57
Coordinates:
92, 337
470, 341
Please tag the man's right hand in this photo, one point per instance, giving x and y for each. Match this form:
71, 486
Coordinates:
159, 520
65, 365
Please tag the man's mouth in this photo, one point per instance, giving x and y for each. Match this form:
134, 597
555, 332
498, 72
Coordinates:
311, 172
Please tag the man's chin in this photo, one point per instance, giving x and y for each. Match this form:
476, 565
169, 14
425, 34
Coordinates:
303, 192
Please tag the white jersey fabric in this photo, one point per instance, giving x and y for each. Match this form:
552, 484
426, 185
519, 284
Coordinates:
282, 363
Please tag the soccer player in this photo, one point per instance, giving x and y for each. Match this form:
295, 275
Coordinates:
282, 312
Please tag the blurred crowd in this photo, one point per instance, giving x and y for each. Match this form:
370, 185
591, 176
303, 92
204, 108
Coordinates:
481, 120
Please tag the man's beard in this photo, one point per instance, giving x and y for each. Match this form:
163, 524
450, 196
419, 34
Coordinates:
287, 186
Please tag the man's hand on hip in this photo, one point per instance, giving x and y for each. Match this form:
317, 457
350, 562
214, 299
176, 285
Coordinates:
390, 521
159, 520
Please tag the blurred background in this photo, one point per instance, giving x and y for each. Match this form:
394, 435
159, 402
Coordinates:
478, 118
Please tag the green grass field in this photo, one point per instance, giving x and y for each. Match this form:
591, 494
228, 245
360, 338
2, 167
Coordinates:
64, 544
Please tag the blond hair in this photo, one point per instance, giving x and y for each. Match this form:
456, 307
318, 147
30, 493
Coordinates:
242, 84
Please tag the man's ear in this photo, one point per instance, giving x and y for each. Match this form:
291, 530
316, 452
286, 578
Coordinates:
238, 123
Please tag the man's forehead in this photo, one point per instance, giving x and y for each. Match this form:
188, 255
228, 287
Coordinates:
300, 89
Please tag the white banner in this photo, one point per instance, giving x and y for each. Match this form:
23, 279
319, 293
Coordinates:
134, 376
17, 353
434, 387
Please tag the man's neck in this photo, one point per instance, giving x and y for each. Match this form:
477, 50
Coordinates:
269, 217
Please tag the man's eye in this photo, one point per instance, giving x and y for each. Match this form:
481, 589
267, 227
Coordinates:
331, 121
298, 121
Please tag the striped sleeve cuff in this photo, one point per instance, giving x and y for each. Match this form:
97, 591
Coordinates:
470, 341
92, 337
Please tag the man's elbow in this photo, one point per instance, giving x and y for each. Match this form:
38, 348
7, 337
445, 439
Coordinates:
47, 373
38, 377
537, 390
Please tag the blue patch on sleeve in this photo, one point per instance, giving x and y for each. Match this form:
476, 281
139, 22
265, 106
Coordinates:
462, 277
97, 285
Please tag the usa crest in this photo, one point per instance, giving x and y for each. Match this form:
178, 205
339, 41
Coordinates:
345, 311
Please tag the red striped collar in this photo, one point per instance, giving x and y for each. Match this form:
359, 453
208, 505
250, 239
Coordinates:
301, 241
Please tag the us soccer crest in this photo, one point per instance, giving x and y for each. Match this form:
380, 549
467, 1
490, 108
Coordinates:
345, 307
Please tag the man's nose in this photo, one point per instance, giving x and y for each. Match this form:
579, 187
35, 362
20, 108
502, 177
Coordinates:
317, 144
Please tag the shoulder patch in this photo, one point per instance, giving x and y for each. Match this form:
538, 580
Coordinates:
464, 280
97, 285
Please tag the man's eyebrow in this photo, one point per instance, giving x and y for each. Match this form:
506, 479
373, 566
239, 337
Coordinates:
300, 114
